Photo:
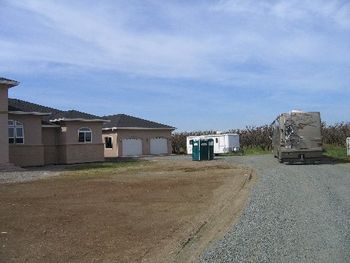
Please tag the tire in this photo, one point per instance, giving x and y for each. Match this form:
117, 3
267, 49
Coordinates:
280, 159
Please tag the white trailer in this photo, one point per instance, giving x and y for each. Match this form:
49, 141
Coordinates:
223, 143
348, 146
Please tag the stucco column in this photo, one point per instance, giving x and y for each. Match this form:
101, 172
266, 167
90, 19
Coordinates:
5, 84
4, 141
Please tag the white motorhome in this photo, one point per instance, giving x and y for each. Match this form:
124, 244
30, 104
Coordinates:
223, 143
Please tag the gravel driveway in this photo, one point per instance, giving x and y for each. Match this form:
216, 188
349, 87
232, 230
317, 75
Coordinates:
296, 213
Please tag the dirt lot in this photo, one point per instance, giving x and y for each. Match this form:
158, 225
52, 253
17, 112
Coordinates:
147, 211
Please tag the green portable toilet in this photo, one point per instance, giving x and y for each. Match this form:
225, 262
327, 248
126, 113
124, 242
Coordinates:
203, 149
210, 149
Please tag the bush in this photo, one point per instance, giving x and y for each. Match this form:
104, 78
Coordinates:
336, 134
259, 137
255, 137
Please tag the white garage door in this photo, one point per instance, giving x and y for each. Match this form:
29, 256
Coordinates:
132, 147
159, 146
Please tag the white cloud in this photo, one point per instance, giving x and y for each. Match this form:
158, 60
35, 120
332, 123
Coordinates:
232, 42
342, 16
310, 11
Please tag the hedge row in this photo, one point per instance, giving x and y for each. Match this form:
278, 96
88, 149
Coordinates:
336, 134
252, 137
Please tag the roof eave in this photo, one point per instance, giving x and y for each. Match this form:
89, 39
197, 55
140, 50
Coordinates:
213, 135
137, 128
9, 82
29, 113
78, 119
50, 126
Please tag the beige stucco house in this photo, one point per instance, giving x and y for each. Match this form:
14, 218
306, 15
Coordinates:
39, 135
35, 135
126, 135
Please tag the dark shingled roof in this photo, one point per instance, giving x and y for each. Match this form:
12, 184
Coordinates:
118, 121
74, 114
21, 105
126, 121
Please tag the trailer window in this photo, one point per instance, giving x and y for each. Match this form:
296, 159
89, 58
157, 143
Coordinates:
216, 140
191, 142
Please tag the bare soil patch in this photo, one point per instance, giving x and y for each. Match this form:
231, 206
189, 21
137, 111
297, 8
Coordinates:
154, 211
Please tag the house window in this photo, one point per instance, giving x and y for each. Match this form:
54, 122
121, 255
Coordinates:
108, 142
16, 132
85, 135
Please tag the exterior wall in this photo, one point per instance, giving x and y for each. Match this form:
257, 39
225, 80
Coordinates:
27, 155
50, 141
69, 132
82, 153
70, 150
144, 135
4, 141
111, 152
31, 152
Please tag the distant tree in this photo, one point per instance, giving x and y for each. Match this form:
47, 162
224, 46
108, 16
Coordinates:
336, 134
252, 137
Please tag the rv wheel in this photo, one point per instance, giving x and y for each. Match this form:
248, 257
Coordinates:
280, 159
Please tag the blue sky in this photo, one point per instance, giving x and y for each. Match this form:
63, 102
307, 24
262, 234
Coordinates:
195, 65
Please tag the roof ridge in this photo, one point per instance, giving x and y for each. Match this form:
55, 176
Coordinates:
127, 115
125, 120
147, 120
83, 112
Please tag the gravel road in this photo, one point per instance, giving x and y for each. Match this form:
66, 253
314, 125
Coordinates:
296, 213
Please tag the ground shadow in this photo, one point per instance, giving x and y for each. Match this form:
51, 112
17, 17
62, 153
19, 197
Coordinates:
323, 160
79, 166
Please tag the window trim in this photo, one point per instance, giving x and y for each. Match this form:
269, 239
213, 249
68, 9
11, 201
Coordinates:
80, 130
15, 125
